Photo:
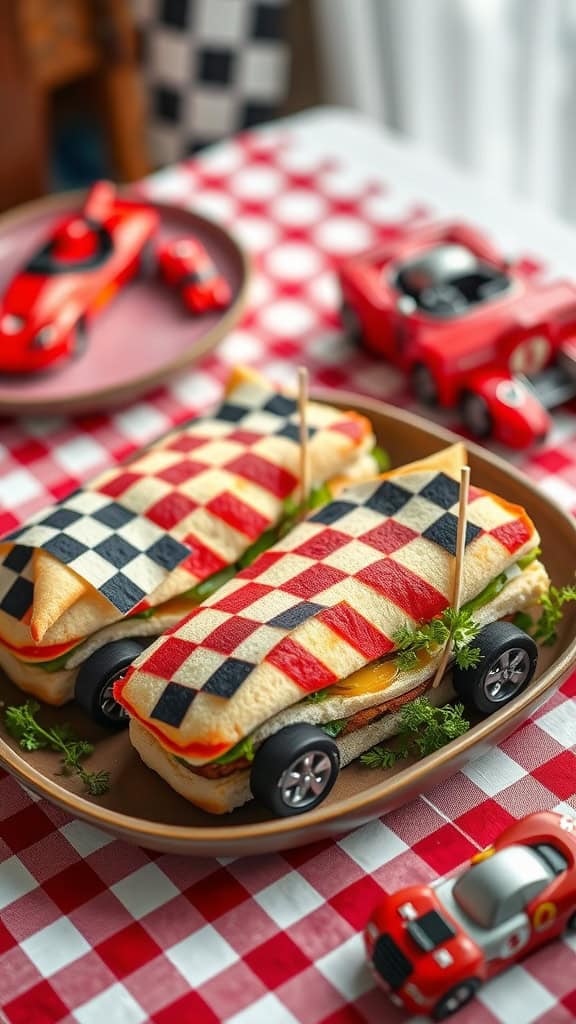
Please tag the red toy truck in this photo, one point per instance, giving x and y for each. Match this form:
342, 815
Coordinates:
432, 946
48, 304
470, 328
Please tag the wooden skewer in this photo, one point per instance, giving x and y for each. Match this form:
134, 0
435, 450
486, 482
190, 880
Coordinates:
458, 567
304, 446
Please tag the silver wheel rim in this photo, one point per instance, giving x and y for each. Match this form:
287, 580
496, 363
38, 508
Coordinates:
506, 675
109, 706
306, 780
477, 417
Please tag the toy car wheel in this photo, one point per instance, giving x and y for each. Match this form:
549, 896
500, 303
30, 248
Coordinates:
476, 415
351, 323
508, 659
455, 998
424, 385
295, 769
96, 678
571, 923
80, 338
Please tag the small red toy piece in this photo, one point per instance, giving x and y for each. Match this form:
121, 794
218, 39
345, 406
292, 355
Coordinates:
185, 264
89, 256
470, 328
432, 946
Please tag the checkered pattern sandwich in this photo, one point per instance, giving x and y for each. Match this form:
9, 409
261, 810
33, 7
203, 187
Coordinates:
144, 535
319, 611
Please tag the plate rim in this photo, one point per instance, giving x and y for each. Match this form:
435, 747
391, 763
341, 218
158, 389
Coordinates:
185, 837
114, 395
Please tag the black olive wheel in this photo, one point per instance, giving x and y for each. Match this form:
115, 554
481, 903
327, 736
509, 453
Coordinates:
571, 924
423, 385
457, 997
508, 659
295, 769
96, 678
476, 415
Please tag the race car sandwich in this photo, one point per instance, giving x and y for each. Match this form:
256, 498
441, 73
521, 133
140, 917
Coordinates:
87, 583
293, 668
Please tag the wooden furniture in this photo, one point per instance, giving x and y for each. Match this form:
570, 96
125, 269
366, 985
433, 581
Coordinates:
49, 44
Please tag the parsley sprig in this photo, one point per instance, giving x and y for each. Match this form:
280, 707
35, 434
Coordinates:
459, 627
424, 728
22, 724
552, 603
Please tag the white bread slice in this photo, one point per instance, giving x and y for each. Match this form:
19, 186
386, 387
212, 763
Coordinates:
218, 796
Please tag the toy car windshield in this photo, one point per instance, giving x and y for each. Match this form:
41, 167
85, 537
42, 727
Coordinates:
497, 888
61, 255
449, 279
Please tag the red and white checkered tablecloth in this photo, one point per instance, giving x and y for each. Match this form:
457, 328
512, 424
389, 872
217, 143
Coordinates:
93, 930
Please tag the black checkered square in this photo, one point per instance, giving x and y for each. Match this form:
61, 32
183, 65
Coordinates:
173, 704
16, 586
228, 677
444, 532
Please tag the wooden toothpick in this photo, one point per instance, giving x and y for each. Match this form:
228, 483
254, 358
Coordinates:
304, 446
458, 567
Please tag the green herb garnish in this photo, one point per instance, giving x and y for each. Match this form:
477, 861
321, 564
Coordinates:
459, 627
334, 729
22, 724
552, 603
423, 729
381, 458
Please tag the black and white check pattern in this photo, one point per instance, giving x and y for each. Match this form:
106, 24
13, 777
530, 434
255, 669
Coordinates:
212, 67
121, 554
16, 582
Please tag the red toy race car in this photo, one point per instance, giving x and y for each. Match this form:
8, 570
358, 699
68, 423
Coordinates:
470, 328
431, 947
185, 264
89, 256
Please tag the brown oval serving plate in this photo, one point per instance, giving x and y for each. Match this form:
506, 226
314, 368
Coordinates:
142, 338
141, 808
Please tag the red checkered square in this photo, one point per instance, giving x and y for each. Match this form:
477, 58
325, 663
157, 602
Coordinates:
226, 637
413, 595
119, 484
259, 471
322, 544
128, 949
277, 960
202, 562
40, 1004
299, 665
356, 631
389, 536
181, 471
512, 535
238, 514
313, 581
171, 510
242, 598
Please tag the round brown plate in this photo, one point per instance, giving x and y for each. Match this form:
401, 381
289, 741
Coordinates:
142, 337
144, 810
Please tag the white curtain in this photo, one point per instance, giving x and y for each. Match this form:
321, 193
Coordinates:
491, 84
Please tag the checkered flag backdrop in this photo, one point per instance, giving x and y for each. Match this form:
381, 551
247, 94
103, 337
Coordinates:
212, 67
